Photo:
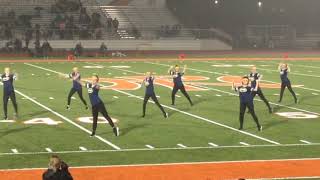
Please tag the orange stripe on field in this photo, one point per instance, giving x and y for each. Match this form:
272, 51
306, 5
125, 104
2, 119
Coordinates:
200, 171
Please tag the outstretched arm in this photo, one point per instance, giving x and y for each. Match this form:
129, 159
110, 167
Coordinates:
279, 67
288, 68
170, 70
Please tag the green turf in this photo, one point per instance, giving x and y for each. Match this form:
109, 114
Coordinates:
154, 130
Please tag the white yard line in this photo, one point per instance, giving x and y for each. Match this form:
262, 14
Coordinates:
181, 145
48, 150
245, 144
163, 149
289, 107
307, 142
149, 146
198, 117
213, 145
83, 148
60, 115
15, 151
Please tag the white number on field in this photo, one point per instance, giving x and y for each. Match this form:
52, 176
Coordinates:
297, 115
101, 120
47, 121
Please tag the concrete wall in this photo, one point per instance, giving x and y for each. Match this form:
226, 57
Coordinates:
141, 44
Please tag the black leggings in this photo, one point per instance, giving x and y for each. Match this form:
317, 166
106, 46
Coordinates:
95, 112
243, 106
283, 87
261, 95
154, 98
79, 91
6, 97
183, 91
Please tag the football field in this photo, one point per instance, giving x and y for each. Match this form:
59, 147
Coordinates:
205, 132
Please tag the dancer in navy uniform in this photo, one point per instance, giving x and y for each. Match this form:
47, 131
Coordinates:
177, 74
8, 92
98, 105
246, 101
255, 79
77, 87
149, 84
284, 69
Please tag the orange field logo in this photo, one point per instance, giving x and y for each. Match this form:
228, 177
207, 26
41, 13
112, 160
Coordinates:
192, 83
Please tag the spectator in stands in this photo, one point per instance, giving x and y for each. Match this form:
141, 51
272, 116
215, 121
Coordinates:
17, 45
115, 24
37, 48
62, 29
109, 23
78, 50
46, 49
57, 170
7, 31
37, 31
103, 49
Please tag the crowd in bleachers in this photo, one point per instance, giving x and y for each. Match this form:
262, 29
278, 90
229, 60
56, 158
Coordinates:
169, 31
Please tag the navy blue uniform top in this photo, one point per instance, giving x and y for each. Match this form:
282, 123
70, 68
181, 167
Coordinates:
150, 86
177, 78
7, 81
76, 77
253, 78
93, 91
245, 94
284, 76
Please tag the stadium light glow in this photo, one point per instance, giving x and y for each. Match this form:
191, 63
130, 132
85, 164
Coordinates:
259, 4
216, 2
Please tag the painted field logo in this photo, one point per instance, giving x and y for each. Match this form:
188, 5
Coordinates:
297, 115
101, 120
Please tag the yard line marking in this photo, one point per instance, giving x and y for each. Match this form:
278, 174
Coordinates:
73, 97
149, 146
198, 95
201, 118
212, 144
83, 148
243, 143
61, 116
49, 150
316, 94
218, 95
178, 96
304, 141
116, 97
15, 151
181, 145
207, 120
289, 107
164, 149
51, 98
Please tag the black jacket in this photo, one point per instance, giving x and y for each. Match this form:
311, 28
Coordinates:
61, 174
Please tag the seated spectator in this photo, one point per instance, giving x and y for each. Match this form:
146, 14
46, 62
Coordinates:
115, 24
103, 49
46, 49
57, 170
78, 50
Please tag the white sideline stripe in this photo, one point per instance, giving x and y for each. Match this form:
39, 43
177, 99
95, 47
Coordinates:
212, 144
181, 145
149, 146
201, 118
207, 120
304, 141
165, 149
83, 148
218, 95
243, 143
61, 116
174, 164
15, 151
49, 150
